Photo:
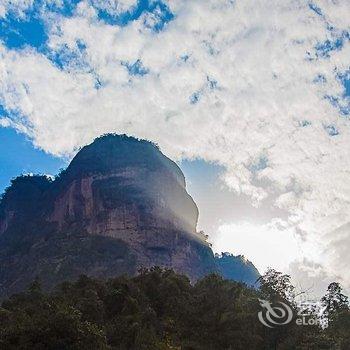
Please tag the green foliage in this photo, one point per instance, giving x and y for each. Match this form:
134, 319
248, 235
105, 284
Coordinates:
276, 286
334, 300
24, 203
160, 310
24, 193
337, 311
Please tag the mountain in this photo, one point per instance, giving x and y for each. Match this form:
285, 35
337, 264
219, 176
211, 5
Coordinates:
121, 205
236, 268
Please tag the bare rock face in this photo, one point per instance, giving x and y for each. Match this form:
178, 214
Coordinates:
127, 189
120, 205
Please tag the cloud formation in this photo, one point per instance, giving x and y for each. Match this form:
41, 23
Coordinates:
255, 86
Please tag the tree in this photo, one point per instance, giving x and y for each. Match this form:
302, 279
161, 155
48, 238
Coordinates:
334, 300
337, 314
161, 310
275, 286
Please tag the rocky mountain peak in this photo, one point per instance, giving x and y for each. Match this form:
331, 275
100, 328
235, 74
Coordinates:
120, 205
119, 185
111, 152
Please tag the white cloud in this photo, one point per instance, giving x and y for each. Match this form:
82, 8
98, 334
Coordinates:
278, 246
265, 245
259, 89
311, 278
18, 6
114, 7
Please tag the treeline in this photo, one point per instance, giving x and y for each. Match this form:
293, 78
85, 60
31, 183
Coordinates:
159, 309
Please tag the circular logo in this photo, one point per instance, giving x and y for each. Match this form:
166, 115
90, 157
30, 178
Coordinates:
274, 315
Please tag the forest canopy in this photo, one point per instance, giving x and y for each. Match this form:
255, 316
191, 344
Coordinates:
159, 309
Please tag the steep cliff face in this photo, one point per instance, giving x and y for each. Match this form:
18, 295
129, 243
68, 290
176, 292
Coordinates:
127, 182
127, 189
119, 206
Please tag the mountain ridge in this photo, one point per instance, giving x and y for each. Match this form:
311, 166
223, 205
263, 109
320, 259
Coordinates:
120, 205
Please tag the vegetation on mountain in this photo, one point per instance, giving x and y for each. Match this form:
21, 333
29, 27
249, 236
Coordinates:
230, 267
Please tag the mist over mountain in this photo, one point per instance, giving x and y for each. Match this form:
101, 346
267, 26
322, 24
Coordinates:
121, 205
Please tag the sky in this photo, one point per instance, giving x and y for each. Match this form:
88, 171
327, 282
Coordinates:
251, 98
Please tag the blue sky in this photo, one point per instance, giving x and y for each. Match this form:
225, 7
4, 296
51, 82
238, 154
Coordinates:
18, 156
251, 97
17, 153
31, 28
